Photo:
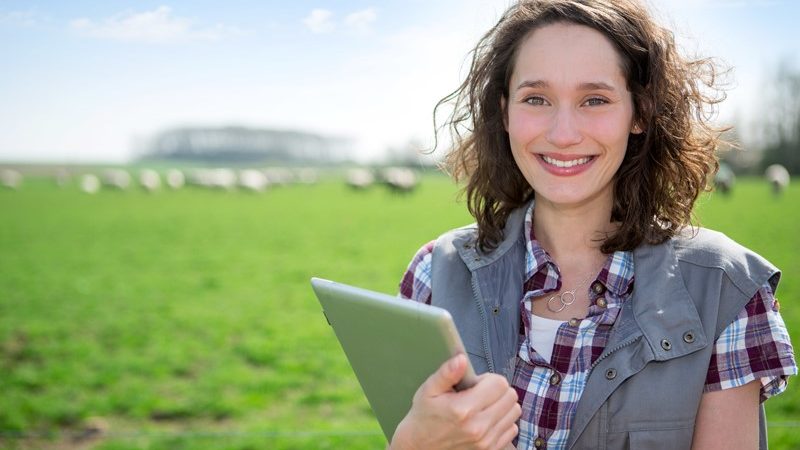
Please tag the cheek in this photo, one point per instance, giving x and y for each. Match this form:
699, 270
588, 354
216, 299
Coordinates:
524, 126
612, 132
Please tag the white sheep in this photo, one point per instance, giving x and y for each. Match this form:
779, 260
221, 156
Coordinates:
253, 180
175, 179
724, 179
279, 176
63, 177
117, 178
399, 179
90, 183
307, 176
778, 177
359, 178
223, 179
150, 180
10, 178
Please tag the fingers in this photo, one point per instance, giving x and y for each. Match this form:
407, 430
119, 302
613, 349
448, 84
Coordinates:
489, 389
447, 376
499, 420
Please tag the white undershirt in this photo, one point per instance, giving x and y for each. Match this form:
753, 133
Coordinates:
543, 335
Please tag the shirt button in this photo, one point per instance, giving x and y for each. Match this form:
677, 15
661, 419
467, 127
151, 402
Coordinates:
598, 288
601, 302
538, 442
555, 379
574, 322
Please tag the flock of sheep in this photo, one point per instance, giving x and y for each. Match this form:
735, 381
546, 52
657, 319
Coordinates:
151, 180
776, 175
397, 179
255, 180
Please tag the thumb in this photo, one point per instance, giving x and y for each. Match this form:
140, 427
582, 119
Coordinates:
447, 376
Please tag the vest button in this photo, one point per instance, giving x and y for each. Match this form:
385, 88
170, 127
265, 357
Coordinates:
598, 288
574, 322
611, 374
539, 442
496, 310
666, 344
555, 379
688, 337
601, 302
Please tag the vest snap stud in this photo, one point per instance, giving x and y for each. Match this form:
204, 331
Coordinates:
611, 374
688, 337
496, 310
666, 344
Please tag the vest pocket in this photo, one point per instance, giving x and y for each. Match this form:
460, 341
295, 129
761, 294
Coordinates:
677, 435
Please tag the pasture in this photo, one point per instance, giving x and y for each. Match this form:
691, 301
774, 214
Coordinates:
184, 320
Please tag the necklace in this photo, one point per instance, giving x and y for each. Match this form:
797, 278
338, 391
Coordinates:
565, 298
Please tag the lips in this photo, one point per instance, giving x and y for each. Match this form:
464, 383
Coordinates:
565, 165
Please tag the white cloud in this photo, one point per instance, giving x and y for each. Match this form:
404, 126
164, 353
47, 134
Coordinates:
18, 18
154, 27
320, 21
360, 21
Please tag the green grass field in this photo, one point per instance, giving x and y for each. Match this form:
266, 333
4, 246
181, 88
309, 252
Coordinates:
184, 320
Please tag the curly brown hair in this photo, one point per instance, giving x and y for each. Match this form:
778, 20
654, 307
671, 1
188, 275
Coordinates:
665, 167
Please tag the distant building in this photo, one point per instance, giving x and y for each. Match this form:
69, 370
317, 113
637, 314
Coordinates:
240, 145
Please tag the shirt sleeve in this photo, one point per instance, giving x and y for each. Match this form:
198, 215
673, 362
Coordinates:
416, 282
755, 346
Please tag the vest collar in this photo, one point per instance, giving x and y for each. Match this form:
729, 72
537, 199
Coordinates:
467, 245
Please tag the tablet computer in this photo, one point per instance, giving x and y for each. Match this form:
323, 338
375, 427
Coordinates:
392, 344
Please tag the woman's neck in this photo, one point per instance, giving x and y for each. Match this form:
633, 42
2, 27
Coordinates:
572, 234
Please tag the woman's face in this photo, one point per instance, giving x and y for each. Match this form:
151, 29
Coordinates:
569, 114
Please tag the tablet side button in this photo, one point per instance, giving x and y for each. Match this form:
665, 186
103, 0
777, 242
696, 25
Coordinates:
326, 317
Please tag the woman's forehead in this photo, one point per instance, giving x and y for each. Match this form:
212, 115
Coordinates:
567, 54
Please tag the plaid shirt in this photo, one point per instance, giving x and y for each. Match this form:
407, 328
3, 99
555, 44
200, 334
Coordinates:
755, 346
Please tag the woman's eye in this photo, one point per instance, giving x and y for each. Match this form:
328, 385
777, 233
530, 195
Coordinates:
596, 101
535, 101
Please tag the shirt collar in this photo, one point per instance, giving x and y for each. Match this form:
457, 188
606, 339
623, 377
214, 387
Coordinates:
616, 274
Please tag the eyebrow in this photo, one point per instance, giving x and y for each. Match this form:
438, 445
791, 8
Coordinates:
588, 86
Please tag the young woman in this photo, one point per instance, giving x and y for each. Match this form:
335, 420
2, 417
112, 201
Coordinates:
599, 317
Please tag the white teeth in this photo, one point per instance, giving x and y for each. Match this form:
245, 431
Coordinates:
570, 163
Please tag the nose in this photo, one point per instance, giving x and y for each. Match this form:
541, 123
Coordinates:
563, 131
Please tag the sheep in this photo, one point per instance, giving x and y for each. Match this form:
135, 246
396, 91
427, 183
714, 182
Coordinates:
778, 177
62, 177
117, 178
253, 180
399, 179
307, 176
150, 180
175, 179
724, 179
279, 176
10, 178
360, 178
90, 184
223, 179
213, 178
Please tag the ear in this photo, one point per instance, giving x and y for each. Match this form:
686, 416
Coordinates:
503, 105
636, 128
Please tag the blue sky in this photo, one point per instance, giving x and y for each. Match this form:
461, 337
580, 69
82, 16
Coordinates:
88, 81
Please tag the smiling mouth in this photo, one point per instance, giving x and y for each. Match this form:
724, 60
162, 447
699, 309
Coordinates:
568, 163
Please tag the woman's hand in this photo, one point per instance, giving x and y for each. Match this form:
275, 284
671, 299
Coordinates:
482, 417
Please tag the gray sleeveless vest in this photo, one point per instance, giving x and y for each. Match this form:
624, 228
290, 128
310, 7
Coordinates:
644, 391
